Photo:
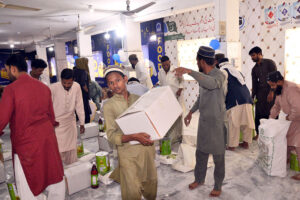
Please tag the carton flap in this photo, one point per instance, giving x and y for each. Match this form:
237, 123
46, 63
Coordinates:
145, 101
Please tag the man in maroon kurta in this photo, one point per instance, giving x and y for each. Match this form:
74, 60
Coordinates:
27, 106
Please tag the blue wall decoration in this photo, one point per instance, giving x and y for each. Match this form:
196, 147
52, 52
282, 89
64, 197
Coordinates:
215, 44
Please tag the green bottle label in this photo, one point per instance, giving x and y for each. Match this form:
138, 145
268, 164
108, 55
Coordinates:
165, 147
94, 180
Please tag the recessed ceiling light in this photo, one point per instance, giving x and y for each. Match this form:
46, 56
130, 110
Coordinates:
51, 49
11, 46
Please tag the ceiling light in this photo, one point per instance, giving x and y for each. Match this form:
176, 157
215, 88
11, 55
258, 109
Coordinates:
91, 9
51, 49
11, 46
18, 33
107, 36
153, 38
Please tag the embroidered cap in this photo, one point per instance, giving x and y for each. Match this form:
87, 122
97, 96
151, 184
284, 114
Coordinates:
206, 52
113, 68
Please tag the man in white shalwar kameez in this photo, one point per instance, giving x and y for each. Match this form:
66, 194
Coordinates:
67, 98
142, 72
166, 77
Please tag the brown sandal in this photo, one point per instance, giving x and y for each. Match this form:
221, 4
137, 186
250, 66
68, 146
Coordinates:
194, 185
215, 193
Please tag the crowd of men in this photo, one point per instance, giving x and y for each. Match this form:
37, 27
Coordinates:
43, 119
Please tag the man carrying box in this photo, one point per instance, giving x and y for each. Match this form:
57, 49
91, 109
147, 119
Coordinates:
67, 98
136, 171
211, 136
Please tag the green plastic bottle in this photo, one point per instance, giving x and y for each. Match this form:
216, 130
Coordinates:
12, 188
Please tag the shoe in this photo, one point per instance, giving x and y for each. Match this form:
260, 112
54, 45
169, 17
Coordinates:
215, 193
255, 137
230, 148
296, 177
194, 185
244, 145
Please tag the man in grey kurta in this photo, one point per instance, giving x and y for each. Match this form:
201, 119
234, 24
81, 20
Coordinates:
211, 138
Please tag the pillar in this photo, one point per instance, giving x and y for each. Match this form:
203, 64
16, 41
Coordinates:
42, 54
84, 44
60, 58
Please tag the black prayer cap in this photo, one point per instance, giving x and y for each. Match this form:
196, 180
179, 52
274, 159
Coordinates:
206, 52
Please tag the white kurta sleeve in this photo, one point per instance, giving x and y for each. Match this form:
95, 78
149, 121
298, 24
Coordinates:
79, 104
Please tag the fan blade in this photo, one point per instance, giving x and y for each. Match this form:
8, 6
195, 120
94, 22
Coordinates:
108, 11
5, 23
142, 7
128, 13
15, 7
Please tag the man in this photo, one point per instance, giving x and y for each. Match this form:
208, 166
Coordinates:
134, 87
142, 73
218, 57
260, 87
238, 105
136, 171
166, 77
95, 93
26, 104
287, 99
67, 98
211, 136
37, 68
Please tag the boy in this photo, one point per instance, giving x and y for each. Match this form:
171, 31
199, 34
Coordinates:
136, 171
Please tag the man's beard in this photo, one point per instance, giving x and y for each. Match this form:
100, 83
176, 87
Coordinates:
67, 88
200, 69
278, 90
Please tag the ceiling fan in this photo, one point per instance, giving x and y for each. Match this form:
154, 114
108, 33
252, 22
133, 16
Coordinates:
128, 11
17, 7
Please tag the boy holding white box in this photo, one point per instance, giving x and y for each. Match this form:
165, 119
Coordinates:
136, 171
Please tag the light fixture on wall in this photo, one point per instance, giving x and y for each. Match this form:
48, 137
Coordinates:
91, 9
153, 37
51, 49
12, 46
107, 36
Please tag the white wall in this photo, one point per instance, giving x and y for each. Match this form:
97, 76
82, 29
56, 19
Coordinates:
271, 38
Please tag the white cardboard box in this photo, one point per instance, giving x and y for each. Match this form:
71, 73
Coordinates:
91, 130
78, 176
153, 113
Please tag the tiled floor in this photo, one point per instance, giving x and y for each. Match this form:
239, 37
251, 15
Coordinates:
244, 181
